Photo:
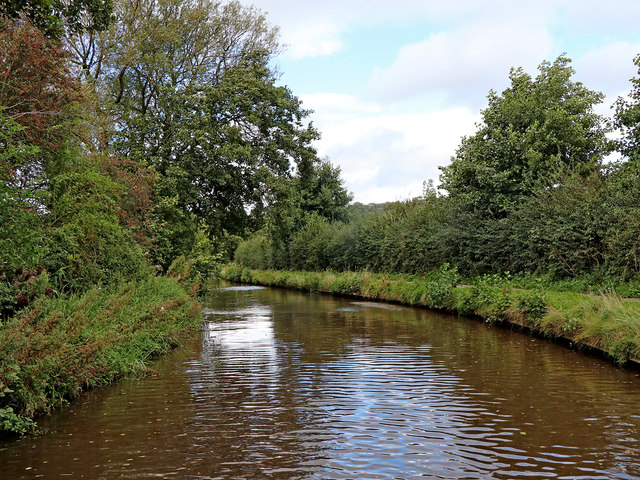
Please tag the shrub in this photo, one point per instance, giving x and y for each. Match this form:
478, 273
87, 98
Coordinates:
20, 288
59, 346
533, 304
254, 252
346, 283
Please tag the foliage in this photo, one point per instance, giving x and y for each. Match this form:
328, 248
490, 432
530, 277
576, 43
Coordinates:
533, 304
627, 119
186, 88
86, 244
254, 252
310, 247
54, 17
20, 236
60, 346
36, 86
205, 257
563, 229
621, 206
547, 206
21, 287
530, 137
165, 70
321, 190
228, 142
135, 195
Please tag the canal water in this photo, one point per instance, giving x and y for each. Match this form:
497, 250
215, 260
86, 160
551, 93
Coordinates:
281, 384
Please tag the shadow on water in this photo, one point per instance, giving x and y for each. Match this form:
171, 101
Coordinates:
286, 385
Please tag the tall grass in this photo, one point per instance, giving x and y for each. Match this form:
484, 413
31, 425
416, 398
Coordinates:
58, 347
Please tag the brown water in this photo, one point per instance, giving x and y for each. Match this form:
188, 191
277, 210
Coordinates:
286, 385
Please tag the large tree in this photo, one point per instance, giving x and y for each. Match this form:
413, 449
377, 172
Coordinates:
627, 119
38, 96
187, 87
532, 135
55, 17
228, 142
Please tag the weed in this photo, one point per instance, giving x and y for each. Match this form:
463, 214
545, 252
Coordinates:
59, 346
533, 304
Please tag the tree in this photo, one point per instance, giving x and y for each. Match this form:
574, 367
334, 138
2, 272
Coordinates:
36, 85
135, 195
534, 133
227, 142
322, 191
38, 94
185, 87
163, 47
627, 120
19, 233
86, 242
54, 17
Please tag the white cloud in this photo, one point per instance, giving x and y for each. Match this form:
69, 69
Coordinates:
312, 39
611, 18
338, 106
461, 65
422, 102
387, 156
608, 68
316, 28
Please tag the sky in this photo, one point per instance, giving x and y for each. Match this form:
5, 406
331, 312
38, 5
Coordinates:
395, 84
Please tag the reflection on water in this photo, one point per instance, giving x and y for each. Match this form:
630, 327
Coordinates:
286, 385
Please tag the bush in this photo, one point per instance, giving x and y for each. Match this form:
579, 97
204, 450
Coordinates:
533, 304
346, 283
205, 257
254, 252
20, 288
87, 245
310, 247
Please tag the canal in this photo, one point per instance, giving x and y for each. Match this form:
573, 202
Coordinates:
281, 384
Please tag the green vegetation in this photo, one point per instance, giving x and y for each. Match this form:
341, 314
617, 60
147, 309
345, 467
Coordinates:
606, 322
534, 221
140, 138
137, 138
529, 193
61, 346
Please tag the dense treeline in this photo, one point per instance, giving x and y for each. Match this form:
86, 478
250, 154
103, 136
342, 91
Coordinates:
531, 191
137, 137
135, 132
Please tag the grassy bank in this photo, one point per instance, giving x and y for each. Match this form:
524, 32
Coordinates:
58, 347
604, 322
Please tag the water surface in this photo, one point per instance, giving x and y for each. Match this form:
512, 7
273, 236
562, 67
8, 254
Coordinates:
281, 384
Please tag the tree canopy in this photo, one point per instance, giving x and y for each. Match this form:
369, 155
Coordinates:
627, 119
55, 17
534, 133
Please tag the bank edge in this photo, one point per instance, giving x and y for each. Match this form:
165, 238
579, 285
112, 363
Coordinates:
605, 324
59, 347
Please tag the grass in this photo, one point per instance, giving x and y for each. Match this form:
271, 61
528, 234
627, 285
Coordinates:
59, 347
604, 322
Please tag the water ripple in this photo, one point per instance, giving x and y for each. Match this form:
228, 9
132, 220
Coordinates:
283, 386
